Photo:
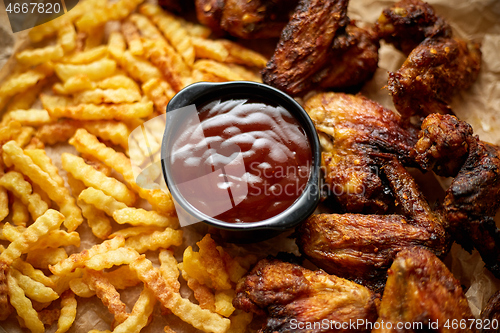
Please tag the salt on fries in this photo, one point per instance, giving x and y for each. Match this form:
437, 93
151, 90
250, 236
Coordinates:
94, 92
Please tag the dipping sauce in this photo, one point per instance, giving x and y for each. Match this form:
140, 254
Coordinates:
241, 161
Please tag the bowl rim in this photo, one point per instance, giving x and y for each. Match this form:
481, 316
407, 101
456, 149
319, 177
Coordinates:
202, 92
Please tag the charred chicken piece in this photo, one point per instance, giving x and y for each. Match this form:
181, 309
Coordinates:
473, 197
256, 18
362, 247
305, 45
491, 311
209, 13
352, 130
442, 145
408, 23
420, 289
353, 59
246, 19
294, 298
433, 72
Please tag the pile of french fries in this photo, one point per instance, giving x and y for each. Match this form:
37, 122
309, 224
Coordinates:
90, 78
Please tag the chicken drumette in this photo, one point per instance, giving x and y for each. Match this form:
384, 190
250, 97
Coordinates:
473, 198
321, 48
408, 23
422, 294
296, 299
362, 247
246, 19
433, 72
352, 131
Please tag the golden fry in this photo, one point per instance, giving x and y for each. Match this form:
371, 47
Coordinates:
120, 256
99, 96
156, 240
135, 231
159, 92
57, 193
122, 277
133, 38
101, 201
168, 269
31, 117
41, 159
210, 49
34, 289
85, 57
116, 46
68, 312
141, 217
224, 302
143, 308
95, 71
66, 37
36, 274
38, 56
43, 258
80, 288
25, 136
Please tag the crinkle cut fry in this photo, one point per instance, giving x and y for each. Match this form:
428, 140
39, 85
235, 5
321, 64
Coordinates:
191, 313
57, 193
87, 143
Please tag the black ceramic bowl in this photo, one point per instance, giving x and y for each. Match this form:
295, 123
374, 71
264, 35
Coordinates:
202, 93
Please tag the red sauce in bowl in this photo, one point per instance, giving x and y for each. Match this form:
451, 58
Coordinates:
242, 161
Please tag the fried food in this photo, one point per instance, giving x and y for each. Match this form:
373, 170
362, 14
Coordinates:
288, 293
362, 247
352, 130
420, 289
492, 310
434, 71
408, 22
473, 198
305, 45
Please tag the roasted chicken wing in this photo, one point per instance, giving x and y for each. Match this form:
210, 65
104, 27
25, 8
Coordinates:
433, 72
362, 247
296, 299
353, 130
246, 19
408, 23
422, 294
473, 197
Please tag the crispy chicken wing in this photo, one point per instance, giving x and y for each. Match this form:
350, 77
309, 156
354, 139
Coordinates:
420, 289
473, 198
491, 312
246, 19
408, 22
433, 72
362, 247
296, 299
352, 130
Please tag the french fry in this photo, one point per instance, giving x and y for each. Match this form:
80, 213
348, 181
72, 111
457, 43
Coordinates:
122, 277
35, 274
168, 269
50, 220
23, 306
159, 92
95, 37
135, 231
33, 57
66, 37
173, 29
212, 261
26, 99
68, 312
143, 308
113, 131
209, 49
115, 11
43, 258
86, 143
141, 217
73, 85
138, 68
117, 82
147, 28
77, 260
103, 111
41, 159
59, 131
224, 71
80, 288
190, 313
116, 46
156, 240
224, 302
133, 38
34, 289
201, 293
240, 321
62, 282
31, 117
197, 30
57, 238
11, 233
57, 193
120, 256
107, 294
101, 201
95, 71
85, 57
25, 136
243, 56
5, 308
98, 96
4, 203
